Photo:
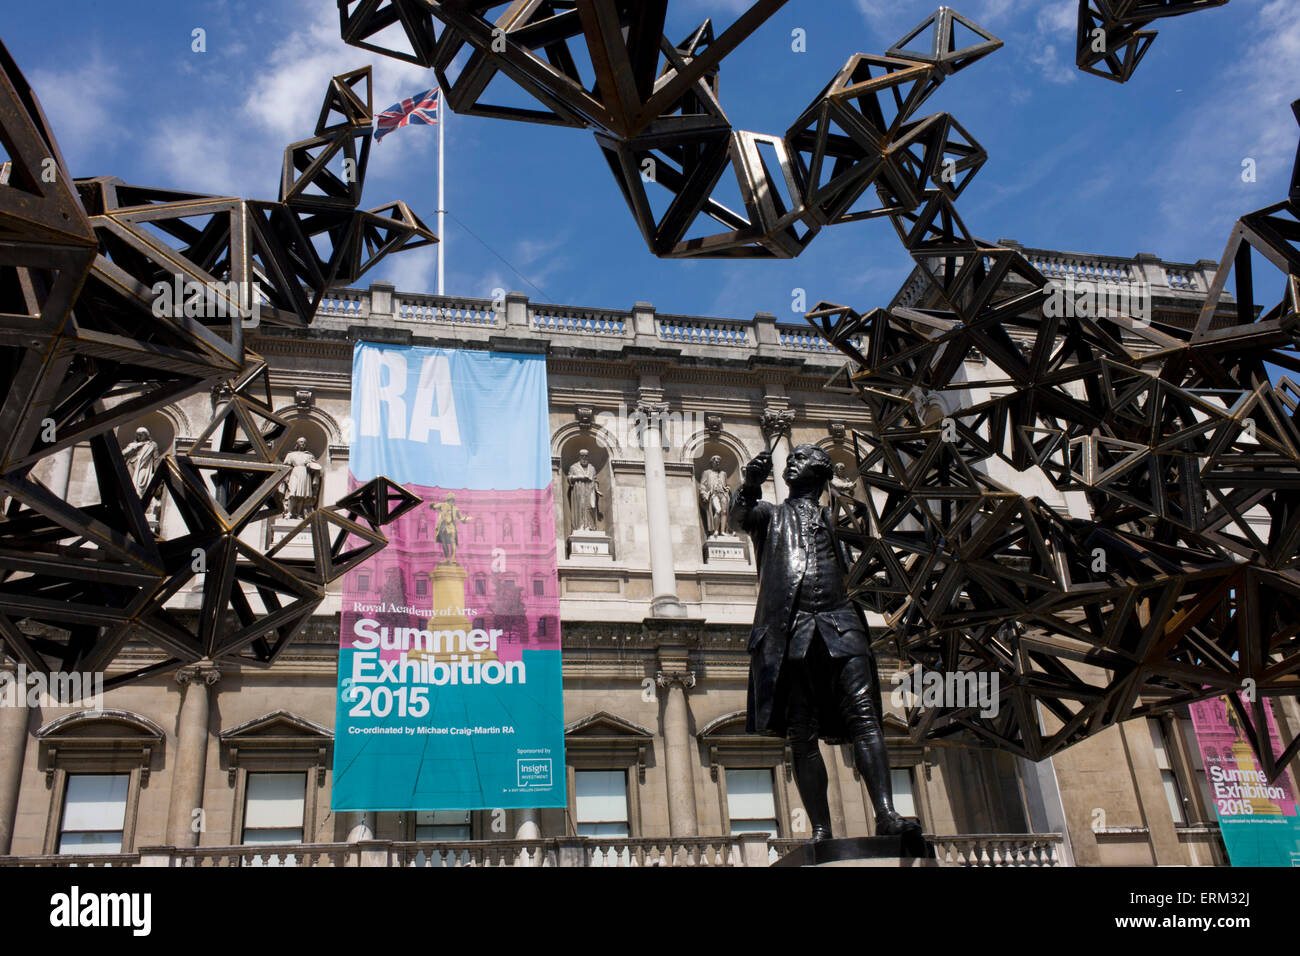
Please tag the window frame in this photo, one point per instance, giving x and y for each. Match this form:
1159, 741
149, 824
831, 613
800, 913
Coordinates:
279, 742
242, 809
128, 813
77, 743
726, 746
602, 741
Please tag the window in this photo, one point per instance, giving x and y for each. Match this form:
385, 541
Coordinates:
1201, 780
537, 526
507, 529
751, 806
539, 587
480, 584
1168, 778
442, 825
94, 813
273, 807
363, 581
601, 797
900, 778
541, 627
422, 586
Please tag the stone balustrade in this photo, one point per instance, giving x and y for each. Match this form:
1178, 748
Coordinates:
988, 849
1163, 280
468, 321
994, 849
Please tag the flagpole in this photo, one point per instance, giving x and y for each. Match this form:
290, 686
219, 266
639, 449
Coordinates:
442, 182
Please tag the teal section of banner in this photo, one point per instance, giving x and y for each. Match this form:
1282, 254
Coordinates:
477, 747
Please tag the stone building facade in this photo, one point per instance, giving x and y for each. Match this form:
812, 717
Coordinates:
228, 766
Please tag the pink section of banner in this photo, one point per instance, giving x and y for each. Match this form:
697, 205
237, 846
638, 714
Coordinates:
501, 577
1231, 765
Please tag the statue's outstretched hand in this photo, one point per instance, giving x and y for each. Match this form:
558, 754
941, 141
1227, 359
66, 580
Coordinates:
758, 469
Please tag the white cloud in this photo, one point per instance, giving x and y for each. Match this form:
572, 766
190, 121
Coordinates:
1198, 176
277, 105
81, 105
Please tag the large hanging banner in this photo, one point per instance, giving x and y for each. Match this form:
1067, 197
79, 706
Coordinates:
1258, 819
450, 695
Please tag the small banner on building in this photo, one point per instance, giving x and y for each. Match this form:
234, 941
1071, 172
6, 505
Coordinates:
449, 693
1258, 819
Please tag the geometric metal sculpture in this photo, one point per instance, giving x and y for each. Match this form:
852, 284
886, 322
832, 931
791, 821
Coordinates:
1112, 34
116, 300
654, 109
1183, 584
1177, 438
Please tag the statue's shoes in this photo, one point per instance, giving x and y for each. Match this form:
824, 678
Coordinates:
821, 833
895, 824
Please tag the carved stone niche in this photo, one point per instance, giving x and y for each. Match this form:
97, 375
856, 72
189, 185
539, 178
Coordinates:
584, 542
722, 543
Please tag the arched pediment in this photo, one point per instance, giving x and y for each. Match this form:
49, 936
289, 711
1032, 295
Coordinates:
101, 723
728, 725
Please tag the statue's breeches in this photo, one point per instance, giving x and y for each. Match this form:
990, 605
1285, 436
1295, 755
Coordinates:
829, 697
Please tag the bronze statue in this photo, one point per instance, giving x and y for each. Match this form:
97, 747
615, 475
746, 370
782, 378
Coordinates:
811, 671
447, 533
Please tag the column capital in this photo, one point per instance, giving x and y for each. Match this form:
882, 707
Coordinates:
651, 405
683, 679
776, 422
204, 672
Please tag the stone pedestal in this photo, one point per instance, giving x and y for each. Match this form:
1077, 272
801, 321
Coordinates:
300, 544
886, 851
724, 548
447, 597
589, 544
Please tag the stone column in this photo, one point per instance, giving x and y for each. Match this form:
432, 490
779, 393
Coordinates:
678, 765
663, 581
776, 425
190, 758
363, 827
528, 825
13, 751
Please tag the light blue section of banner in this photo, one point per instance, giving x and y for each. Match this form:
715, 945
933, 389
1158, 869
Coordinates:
450, 418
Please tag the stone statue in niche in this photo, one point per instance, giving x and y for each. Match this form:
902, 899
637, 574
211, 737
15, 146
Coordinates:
142, 455
584, 494
301, 489
841, 483
715, 497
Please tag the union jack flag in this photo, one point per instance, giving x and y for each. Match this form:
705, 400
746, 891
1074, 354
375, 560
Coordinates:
420, 108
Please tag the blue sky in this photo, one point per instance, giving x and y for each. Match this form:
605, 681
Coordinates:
1076, 162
